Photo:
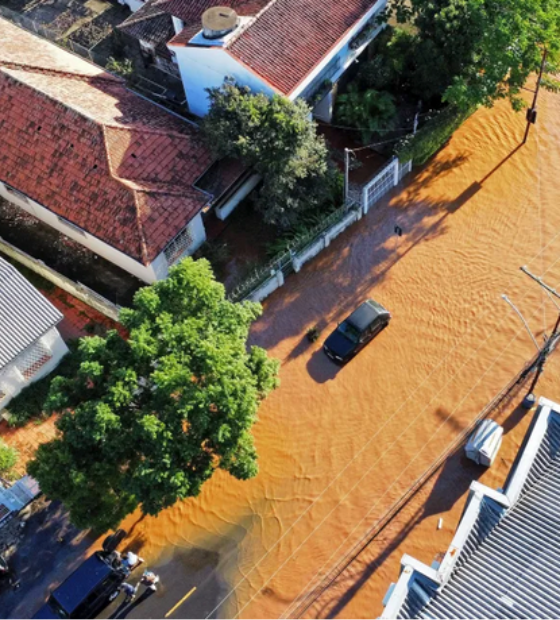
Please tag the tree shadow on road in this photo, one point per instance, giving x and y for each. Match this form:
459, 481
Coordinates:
361, 257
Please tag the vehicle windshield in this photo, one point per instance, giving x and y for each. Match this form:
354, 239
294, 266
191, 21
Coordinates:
349, 331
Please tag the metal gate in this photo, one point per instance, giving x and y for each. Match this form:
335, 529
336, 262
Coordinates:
384, 181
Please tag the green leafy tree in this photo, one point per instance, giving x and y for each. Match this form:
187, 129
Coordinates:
370, 110
276, 138
481, 50
148, 419
8, 458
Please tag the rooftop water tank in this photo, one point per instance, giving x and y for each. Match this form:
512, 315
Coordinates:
218, 21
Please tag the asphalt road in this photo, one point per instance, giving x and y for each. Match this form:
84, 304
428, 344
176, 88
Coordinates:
189, 587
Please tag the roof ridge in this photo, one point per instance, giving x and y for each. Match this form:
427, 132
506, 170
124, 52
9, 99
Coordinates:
139, 227
103, 76
136, 19
146, 129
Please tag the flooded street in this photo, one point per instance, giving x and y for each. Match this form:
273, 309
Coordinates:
338, 446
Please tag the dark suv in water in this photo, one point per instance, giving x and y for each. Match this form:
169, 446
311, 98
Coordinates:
356, 331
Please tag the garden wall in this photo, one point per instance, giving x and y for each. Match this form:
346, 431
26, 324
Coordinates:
80, 291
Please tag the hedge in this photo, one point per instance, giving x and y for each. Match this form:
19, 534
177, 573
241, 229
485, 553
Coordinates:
432, 136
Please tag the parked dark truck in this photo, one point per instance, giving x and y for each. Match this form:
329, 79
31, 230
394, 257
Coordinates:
356, 331
92, 586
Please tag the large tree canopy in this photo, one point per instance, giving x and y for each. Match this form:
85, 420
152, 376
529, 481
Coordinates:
482, 50
147, 420
276, 138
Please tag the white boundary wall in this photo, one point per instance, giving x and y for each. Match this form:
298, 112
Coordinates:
389, 177
325, 239
80, 291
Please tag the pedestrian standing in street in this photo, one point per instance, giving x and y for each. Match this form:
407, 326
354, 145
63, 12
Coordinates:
129, 591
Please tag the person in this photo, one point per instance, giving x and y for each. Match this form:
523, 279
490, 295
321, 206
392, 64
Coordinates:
129, 591
115, 559
131, 561
150, 580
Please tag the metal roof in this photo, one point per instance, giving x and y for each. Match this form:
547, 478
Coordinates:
507, 547
513, 573
25, 315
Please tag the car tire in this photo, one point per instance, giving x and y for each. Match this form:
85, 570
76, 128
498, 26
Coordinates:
113, 596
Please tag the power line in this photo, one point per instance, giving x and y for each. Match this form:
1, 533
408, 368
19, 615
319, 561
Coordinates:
352, 128
392, 445
357, 454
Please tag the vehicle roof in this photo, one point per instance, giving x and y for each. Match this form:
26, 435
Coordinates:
366, 314
70, 594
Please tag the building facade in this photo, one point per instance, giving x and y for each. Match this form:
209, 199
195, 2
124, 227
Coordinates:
100, 163
296, 48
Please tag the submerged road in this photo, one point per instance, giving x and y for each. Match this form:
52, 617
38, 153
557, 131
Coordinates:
337, 446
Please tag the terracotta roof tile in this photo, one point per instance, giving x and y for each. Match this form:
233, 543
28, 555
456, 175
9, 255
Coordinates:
290, 37
77, 141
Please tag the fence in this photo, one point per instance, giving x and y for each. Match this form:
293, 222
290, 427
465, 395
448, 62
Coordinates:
262, 282
78, 290
384, 181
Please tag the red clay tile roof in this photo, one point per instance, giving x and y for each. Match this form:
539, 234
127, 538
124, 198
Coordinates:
290, 37
77, 141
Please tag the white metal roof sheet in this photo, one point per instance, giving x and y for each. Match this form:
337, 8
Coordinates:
25, 315
512, 571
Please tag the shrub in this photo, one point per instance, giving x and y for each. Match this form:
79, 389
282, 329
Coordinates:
123, 67
370, 110
8, 458
432, 136
217, 253
313, 334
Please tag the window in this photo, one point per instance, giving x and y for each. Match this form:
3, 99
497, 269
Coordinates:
179, 246
72, 226
15, 192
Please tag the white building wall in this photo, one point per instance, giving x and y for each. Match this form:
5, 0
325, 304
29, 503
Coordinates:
197, 234
343, 51
241, 193
12, 379
133, 5
208, 67
145, 273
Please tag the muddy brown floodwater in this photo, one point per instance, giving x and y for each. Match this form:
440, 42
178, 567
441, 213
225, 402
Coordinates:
338, 446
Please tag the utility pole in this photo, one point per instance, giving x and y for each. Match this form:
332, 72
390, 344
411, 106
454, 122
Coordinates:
532, 111
549, 345
346, 174
415, 128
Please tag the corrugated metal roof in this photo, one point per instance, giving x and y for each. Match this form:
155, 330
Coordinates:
511, 569
25, 315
